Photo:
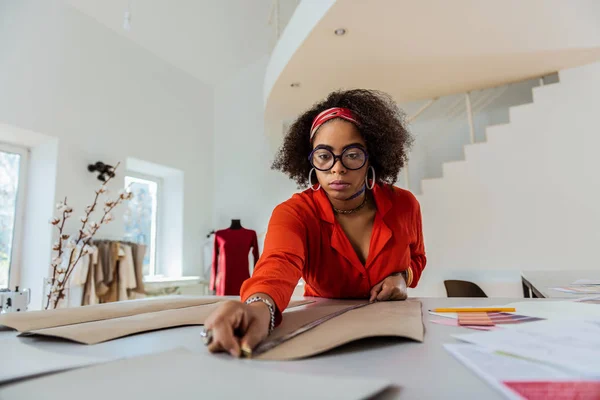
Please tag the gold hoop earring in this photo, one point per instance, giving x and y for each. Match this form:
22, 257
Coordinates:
310, 181
367, 178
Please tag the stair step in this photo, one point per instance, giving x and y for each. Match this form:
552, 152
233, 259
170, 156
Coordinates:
453, 168
477, 151
547, 93
497, 133
517, 113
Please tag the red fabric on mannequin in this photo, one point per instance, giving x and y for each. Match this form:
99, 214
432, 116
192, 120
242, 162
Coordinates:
230, 260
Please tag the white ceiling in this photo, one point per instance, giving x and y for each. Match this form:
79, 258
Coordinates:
419, 49
209, 39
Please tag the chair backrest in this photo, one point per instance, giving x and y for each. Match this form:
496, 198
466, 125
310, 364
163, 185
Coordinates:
456, 288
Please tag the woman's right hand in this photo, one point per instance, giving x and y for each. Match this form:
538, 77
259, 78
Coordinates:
238, 326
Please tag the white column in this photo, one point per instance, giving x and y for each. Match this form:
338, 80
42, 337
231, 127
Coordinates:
470, 117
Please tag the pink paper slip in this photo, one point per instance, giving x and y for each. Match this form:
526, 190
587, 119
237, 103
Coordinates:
580, 390
474, 319
454, 322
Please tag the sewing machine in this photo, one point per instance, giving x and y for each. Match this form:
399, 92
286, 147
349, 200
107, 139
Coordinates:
16, 301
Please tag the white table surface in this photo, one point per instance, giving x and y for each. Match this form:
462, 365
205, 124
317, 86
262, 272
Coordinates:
544, 281
420, 370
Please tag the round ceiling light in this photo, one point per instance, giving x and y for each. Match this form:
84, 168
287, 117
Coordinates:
340, 31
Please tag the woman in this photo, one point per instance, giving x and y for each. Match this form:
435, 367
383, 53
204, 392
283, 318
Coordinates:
351, 234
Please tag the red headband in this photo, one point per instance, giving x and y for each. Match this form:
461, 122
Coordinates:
330, 113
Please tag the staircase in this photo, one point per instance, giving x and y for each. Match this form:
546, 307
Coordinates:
527, 198
442, 131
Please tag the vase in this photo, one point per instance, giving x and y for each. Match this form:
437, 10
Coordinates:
54, 297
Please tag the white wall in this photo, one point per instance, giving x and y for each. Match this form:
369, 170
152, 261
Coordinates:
526, 199
245, 186
36, 237
103, 98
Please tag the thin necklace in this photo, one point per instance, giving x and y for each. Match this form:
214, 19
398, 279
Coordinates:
355, 209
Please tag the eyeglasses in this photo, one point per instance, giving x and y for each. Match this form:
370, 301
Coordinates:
353, 158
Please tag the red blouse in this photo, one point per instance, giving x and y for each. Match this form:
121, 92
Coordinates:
305, 240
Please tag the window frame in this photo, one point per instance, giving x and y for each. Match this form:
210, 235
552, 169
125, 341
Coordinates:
14, 268
154, 257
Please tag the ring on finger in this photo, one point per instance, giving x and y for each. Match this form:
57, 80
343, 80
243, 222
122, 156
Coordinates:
207, 336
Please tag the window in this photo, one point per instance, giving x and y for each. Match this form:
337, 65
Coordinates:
13, 164
141, 217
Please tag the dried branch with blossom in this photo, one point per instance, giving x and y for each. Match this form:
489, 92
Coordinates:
79, 246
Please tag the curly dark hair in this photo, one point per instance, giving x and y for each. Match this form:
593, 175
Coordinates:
382, 125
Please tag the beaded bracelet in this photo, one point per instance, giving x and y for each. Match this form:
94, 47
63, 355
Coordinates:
271, 310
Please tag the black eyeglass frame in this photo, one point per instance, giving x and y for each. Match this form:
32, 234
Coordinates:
338, 157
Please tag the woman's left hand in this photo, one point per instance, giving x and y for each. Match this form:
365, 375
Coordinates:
391, 288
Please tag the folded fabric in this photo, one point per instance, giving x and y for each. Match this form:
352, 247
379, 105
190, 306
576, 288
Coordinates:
101, 331
170, 314
33, 320
391, 318
401, 319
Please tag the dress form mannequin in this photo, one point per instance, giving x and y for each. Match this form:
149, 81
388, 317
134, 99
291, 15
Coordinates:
230, 258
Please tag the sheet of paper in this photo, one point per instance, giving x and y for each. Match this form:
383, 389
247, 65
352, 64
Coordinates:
587, 299
567, 344
515, 376
581, 289
557, 309
586, 282
20, 360
180, 374
452, 315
